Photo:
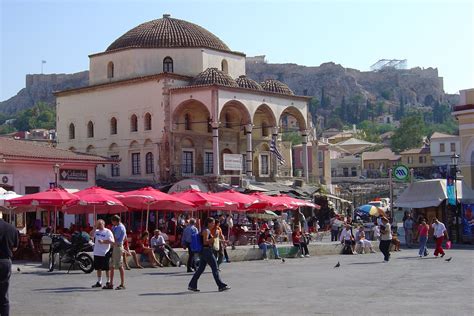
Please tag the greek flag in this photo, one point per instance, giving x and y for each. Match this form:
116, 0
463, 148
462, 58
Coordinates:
274, 150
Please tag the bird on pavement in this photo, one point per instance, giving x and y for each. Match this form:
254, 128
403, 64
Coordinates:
18, 269
449, 259
282, 260
337, 265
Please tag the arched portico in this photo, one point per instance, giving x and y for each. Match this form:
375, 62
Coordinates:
191, 116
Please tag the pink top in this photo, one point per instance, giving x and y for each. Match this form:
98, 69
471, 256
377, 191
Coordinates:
423, 230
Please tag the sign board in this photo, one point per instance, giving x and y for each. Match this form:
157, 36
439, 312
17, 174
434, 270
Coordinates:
73, 175
233, 162
401, 173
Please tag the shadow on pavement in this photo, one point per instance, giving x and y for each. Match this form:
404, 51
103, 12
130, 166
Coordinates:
65, 290
415, 258
373, 262
168, 294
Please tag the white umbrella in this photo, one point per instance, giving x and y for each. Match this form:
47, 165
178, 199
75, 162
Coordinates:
7, 195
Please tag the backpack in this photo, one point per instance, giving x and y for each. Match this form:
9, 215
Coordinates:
196, 242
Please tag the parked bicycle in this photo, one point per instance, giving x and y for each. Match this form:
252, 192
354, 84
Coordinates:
72, 252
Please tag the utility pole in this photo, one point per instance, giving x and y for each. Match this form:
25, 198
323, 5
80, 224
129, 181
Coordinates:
391, 192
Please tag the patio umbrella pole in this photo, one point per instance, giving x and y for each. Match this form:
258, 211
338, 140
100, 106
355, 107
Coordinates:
147, 216
55, 218
141, 222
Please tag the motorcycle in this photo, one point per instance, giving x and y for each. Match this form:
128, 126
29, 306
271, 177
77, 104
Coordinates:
71, 252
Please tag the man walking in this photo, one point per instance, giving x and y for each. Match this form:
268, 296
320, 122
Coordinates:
8, 244
120, 234
439, 233
385, 239
103, 238
186, 243
408, 227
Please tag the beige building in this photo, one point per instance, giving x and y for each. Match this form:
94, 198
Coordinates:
171, 100
377, 163
464, 113
416, 158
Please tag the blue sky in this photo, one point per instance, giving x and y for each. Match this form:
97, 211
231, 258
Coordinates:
351, 33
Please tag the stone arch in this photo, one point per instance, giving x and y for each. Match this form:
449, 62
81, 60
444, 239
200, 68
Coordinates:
134, 145
148, 143
187, 142
294, 113
191, 115
113, 147
208, 144
72, 149
264, 120
234, 115
90, 149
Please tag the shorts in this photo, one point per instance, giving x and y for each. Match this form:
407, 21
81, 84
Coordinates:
117, 257
101, 263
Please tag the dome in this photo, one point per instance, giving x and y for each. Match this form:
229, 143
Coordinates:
214, 76
245, 82
168, 33
273, 85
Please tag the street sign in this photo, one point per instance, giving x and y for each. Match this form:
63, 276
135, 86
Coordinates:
401, 173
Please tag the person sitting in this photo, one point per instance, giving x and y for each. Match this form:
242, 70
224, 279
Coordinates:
361, 241
265, 241
142, 247
128, 253
159, 246
347, 239
300, 242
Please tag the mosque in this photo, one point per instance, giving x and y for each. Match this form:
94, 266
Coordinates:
171, 100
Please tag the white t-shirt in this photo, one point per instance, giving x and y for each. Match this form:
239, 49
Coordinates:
439, 229
104, 234
345, 235
157, 241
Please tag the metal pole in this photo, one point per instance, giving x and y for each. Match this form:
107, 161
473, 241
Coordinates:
412, 174
391, 193
456, 205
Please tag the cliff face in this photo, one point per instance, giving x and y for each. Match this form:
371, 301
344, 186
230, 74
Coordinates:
414, 86
40, 88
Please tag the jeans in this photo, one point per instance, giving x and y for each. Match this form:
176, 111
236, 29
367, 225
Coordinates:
334, 234
303, 248
5, 273
206, 257
408, 237
190, 264
423, 251
439, 246
264, 248
384, 247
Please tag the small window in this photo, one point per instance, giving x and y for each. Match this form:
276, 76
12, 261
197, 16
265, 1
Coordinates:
353, 171
224, 66
410, 159
147, 125
90, 129
134, 123
113, 126
264, 165
136, 164
115, 168
187, 121
110, 70
264, 129
167, 64
149, 167
453, 147
188, 162
208, 162
345, 172
441, 148
420, 159
72, 131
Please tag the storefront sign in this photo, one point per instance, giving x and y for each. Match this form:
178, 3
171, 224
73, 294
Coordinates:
233, 162
72, 175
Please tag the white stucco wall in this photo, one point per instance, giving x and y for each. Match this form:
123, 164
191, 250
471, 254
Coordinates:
443, 158
213, 59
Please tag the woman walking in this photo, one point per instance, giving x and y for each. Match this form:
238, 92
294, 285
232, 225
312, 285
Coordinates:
385, 239
206, 257
423, 229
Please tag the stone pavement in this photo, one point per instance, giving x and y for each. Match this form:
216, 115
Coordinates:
363, 285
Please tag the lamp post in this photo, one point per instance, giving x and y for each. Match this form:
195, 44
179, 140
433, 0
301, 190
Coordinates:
56, 172
454, 171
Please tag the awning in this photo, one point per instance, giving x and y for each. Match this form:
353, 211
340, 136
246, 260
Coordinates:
431, 193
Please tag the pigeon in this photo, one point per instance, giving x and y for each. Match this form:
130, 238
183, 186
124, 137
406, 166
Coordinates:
18, 269
449, 259
337, 265
282, 260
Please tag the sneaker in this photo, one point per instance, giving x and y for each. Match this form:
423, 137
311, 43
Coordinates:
98, 284
120, 287
193, 289
277, 258
225, 288
372, 251
108, 286
307, 256
442, 255
421, 256
301, 256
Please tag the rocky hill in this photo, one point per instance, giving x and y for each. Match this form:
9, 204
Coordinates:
39, 88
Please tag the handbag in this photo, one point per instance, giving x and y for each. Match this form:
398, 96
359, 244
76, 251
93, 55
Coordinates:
448, 244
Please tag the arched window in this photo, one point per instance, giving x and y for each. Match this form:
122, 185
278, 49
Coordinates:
110, 70
224, 66
167, 64
90, 129
187, 121
113, 126
72, 131
134, 123
149, 163
264, 129
147, 125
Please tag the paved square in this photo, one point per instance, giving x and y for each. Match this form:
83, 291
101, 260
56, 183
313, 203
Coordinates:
363, 285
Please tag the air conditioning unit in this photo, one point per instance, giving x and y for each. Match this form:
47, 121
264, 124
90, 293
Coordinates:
6, 179
298, 183
244, 183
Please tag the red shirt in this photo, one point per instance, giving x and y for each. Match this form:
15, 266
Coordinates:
296, 237
141, 244
423, 230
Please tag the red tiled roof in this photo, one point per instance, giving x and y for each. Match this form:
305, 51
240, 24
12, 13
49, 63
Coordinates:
424, 150
464, 107
19, 149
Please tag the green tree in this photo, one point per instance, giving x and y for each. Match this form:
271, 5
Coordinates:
294, 137
409, 134
39, 116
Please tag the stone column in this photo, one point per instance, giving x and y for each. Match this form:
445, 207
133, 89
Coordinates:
274, 158
215, 147
249, 153
304, 134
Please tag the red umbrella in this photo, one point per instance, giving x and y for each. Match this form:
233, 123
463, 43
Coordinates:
297, 202
52, 198
151, 198
275, 203
98, 200
244, 201
206, 201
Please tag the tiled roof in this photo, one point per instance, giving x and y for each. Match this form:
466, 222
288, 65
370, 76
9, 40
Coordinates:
168, 33
213, 76
273, 85
383, 154
355, 141
245, 82
442, 135
464, 107
424, 150
19, 149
